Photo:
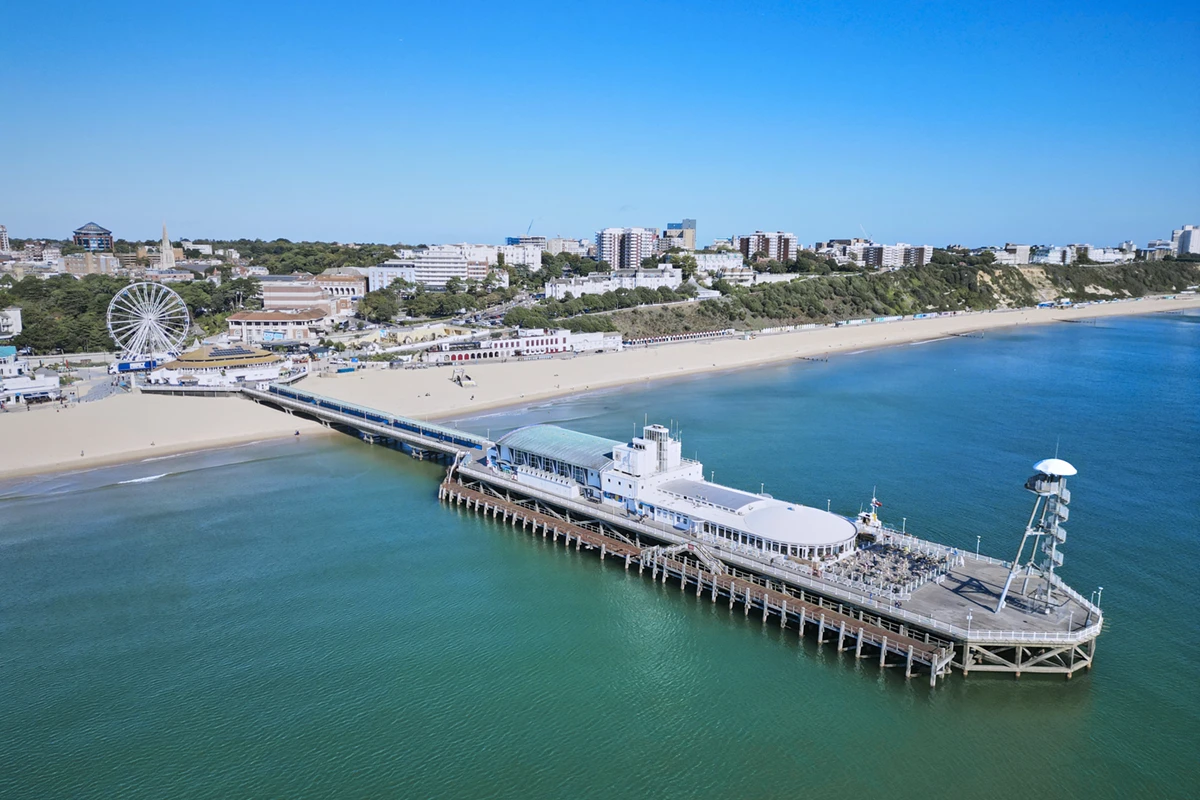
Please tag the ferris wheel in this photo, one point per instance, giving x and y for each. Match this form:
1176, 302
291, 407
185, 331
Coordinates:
148, 319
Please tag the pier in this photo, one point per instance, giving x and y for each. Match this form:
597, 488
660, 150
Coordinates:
967, 613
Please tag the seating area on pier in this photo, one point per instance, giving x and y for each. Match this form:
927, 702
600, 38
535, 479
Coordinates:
889, 569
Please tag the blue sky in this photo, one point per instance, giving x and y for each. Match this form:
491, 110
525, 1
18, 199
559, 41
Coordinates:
923, 122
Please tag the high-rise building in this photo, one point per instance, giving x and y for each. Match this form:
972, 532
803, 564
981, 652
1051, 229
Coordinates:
775, 245
624, 248
93, 237
1186, 240
679, 234
5, 247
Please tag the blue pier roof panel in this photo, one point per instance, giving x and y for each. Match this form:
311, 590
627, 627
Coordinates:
570, 447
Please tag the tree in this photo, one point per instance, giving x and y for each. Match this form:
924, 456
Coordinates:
379, 306
686, 264
454, 286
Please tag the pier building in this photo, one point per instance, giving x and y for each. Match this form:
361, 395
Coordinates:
649, 477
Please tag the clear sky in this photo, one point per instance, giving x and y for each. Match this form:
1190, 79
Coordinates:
926, 122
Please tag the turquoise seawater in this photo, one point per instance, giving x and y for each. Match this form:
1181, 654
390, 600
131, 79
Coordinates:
302, 619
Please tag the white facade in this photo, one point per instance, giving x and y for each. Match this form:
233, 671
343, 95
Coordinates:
1107, 255
601, 282
515, 255
625, 248
524, 343
1186, 240
649, 477
203, 249
575, 247
5, 245
19, 383
278, 326
10, 322
717, 262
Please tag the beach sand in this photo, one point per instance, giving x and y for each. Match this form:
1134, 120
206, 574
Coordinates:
133, 427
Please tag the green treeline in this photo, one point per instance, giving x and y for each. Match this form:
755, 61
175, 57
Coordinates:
566, 313
283, 257
70, 314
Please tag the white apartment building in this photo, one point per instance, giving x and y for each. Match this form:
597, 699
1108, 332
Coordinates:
204, 249
624, 248
601, 282
5, 245
776, 245
528, 255
713, 263
575, 247
1186, 240
433, 268
1104, 255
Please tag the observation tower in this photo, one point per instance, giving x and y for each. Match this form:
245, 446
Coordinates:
1045, 529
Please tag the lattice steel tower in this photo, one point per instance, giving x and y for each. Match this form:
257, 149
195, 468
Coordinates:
1045, 524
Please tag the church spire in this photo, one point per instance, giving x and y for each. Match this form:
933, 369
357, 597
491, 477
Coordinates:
166, 255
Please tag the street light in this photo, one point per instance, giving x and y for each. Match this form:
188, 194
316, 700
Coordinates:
977, 538
968, 622
1099, 594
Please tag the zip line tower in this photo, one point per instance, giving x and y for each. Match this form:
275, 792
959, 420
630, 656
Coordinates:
1044, 527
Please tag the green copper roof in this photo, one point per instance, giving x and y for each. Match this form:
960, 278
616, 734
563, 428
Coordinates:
571, 447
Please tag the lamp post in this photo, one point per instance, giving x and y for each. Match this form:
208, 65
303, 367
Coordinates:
977, 538
1099, 594
904, 524
969, 616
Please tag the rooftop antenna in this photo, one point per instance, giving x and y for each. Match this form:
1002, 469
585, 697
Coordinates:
1049, 512
866, 235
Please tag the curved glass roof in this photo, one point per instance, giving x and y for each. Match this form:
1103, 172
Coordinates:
561, 444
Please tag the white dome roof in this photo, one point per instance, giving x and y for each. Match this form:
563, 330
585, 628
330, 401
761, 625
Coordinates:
796, 524
1055, 466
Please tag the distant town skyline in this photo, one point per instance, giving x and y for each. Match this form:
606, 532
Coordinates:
904, 121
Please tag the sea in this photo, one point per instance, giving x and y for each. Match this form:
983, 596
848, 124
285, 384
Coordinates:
301, 618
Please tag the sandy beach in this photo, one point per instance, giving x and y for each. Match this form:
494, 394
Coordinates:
133, 427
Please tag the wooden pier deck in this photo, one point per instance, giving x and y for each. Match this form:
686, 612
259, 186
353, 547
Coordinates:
829, 621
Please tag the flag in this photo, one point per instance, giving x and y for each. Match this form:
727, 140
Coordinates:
876, 503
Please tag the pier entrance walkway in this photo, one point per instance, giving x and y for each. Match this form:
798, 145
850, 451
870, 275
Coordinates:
371, 422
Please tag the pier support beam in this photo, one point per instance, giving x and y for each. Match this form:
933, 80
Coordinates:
821, 630
883, 652
858, 643
908, 664
783, 614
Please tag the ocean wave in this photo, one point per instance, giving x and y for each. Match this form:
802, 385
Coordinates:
143, 480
